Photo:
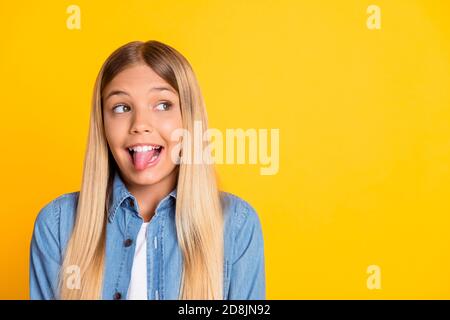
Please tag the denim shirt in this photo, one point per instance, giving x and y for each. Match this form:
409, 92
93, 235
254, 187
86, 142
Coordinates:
244, 267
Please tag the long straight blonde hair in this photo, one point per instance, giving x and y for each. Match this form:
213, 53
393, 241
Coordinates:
198, 213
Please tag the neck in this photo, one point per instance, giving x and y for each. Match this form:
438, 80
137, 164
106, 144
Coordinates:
149, 196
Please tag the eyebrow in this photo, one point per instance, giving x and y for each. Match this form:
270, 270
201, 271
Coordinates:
121, 92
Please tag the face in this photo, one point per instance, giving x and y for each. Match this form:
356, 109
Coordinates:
140, 112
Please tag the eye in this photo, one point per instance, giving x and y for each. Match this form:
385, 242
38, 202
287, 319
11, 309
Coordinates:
121, 108
163, 106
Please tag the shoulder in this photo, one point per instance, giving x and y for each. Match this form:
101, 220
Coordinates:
237, 210
58, 208
55, 219
242, 224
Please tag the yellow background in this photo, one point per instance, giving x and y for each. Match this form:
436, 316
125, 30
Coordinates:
363, 116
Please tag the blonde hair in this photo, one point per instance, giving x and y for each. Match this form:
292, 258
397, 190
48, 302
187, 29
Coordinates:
198, 213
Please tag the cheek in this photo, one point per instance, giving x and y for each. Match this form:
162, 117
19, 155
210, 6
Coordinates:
115, 132
168, 127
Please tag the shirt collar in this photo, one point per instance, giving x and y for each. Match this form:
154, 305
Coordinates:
120, 194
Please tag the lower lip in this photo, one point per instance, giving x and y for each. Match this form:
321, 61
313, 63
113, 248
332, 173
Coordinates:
149, 164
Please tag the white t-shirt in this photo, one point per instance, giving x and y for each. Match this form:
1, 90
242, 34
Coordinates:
138, 282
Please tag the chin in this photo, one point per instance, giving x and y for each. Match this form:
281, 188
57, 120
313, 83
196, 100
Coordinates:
148, 176
144, 178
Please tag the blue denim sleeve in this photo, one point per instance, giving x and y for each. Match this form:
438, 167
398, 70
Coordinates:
247, 279
45, 254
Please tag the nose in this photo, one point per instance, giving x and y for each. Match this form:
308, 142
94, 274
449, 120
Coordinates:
141, 123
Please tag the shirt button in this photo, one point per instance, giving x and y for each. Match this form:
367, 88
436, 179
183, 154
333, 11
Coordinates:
117, 296
127, 242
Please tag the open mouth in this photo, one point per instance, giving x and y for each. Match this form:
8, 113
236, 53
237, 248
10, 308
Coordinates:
144, 156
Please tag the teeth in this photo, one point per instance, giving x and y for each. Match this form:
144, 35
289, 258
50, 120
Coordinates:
143, 148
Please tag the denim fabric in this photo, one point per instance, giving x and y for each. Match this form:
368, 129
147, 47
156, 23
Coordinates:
244, 267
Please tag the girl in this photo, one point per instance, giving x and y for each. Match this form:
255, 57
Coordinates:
147, 222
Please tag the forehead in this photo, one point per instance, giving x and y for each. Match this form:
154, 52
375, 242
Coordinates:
136, 78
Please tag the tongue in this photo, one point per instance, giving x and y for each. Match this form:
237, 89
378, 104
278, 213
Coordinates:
141, 159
